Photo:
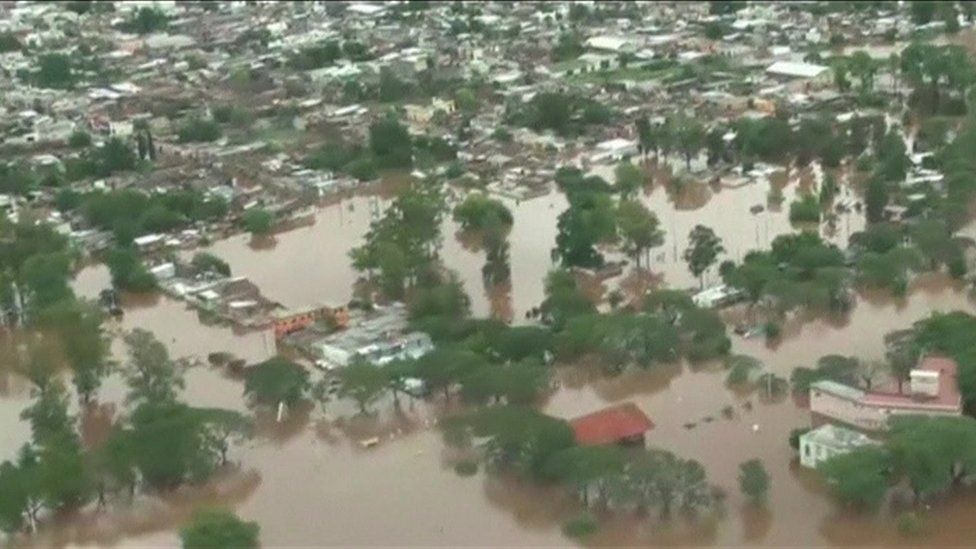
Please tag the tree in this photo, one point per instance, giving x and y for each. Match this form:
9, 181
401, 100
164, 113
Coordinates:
151, 375
629, 179
390, 142
200, 130
754, 480
588, 221
933, 453
14, 494
478, 210
363, 382
258, 221
219, 529
568, 46
169, 444
114, 156
128, 272
147, 20
876, 200
689, 136
79, 139
639, 228
864, 68
466, 100
922, 12
9, 42
659, 478
588, 468
276, 381
858, 477
515, 437
55, 71
703, 250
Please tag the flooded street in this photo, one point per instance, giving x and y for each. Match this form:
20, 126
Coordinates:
309, 479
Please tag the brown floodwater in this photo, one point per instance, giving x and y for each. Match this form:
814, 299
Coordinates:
307, 481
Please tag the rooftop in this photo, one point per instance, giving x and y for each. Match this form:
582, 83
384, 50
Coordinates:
947, 398
611, 425
794, 69
837, 437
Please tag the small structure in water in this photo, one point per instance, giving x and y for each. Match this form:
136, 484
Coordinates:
621, 424
827, 441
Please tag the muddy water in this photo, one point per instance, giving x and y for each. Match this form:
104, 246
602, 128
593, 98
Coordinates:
310, 265
326, 275
308, 480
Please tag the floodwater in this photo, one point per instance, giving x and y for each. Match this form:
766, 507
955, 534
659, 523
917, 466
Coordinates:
308, 481
325, 273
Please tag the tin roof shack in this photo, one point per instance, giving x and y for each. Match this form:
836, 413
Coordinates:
621, 424
933, 391
378, 336
807, 73
236, 300
827, 441
294, 320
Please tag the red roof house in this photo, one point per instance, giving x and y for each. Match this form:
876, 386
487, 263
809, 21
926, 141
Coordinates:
624, 423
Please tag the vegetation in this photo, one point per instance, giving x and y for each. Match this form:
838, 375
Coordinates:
276, 382
158, 443
200, 130
754, 480
703, 250
478, 212
218, 529
258, 221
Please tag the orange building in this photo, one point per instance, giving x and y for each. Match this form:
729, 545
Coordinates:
286, 322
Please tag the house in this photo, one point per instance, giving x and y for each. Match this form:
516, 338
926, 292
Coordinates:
933, 391
827, 441
621, 424
286, 322
799, 71
612, 44
614, 150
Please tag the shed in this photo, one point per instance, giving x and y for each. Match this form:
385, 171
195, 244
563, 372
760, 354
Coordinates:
621, 424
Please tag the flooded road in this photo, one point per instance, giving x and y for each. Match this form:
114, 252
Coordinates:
309, 479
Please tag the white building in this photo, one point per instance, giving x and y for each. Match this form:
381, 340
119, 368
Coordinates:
613, 44
614, 150
827, 441
799, 71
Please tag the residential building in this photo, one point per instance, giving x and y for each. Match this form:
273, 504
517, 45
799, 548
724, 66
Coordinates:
286, 322
621, 424
799, 71
827, 441
933, 391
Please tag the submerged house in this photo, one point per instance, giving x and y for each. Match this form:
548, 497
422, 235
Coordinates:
933, 391
827, 441
621, 424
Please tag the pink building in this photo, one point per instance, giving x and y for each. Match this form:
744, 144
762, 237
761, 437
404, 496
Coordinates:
932, 391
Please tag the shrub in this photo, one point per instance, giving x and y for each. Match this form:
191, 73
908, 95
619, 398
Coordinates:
258, 221
581, 526
79, 139
805, 210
